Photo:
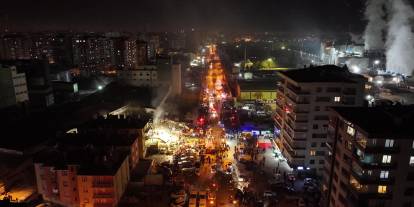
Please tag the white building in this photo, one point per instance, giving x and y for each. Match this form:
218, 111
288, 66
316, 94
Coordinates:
146, 75
13, 87
303, 100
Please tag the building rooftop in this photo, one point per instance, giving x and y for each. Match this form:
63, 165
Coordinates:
91, 160
325, 73
97, 138
116, 122
383, 121
256, 85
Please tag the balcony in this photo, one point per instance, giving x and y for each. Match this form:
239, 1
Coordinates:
366, 179
103, 195
297, 90
364, 194
373, 164
377, 149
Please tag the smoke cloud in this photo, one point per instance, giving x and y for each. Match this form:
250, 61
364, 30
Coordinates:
375, 15
400, 38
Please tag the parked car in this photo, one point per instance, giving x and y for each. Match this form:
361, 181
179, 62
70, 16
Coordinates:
301, 202
269, 194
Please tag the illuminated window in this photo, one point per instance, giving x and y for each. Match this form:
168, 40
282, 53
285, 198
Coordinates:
386, 159
412, 161
369, 172
384, 174
389, 143
350, 131
413, 144
337, 98
382, 189
312, 152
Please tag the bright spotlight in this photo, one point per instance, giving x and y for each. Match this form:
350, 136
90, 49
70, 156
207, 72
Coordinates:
355, 69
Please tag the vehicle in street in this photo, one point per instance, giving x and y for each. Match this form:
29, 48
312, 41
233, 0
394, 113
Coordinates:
211, 197
269, 194
301, 202
245, 158
213, 169
177, 194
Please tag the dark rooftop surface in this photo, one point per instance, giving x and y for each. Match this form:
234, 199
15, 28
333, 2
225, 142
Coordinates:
325, 73
92, 161
382, 121
116, 122
258, 85
99, 138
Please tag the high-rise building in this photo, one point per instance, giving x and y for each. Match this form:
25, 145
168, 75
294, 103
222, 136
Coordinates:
15, 47
370, 160
13, 87
303, 99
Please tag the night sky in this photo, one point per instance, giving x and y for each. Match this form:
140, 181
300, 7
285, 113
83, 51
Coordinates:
140, 15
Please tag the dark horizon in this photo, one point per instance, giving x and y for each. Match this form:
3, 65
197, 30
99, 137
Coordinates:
165, 15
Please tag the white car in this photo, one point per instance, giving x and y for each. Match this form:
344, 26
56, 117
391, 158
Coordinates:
177, 194
202, 196
269, 194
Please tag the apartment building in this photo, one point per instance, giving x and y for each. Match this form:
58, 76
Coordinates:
13, 86
302, 106
87, 177
370, 160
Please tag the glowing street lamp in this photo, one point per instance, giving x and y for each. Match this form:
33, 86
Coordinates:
100, 87
376, 62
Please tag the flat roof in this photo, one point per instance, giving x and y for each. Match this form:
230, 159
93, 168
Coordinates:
117, 122
97, 138
91, 161
382, 121
324, 73
257, 85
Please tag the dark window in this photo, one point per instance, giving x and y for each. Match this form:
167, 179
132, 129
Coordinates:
315, 126
333, 90
321, 161
313, 144
323, 99
410, 176
409, 192
311, 162
317, 108
321, 117
320, 153
318, 89
319, 135
323, 144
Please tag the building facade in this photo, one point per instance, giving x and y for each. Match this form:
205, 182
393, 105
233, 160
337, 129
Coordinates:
370, 160
303, 100
82, 178
13, 87
141, 76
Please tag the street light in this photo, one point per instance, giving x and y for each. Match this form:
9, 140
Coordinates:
376, 62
